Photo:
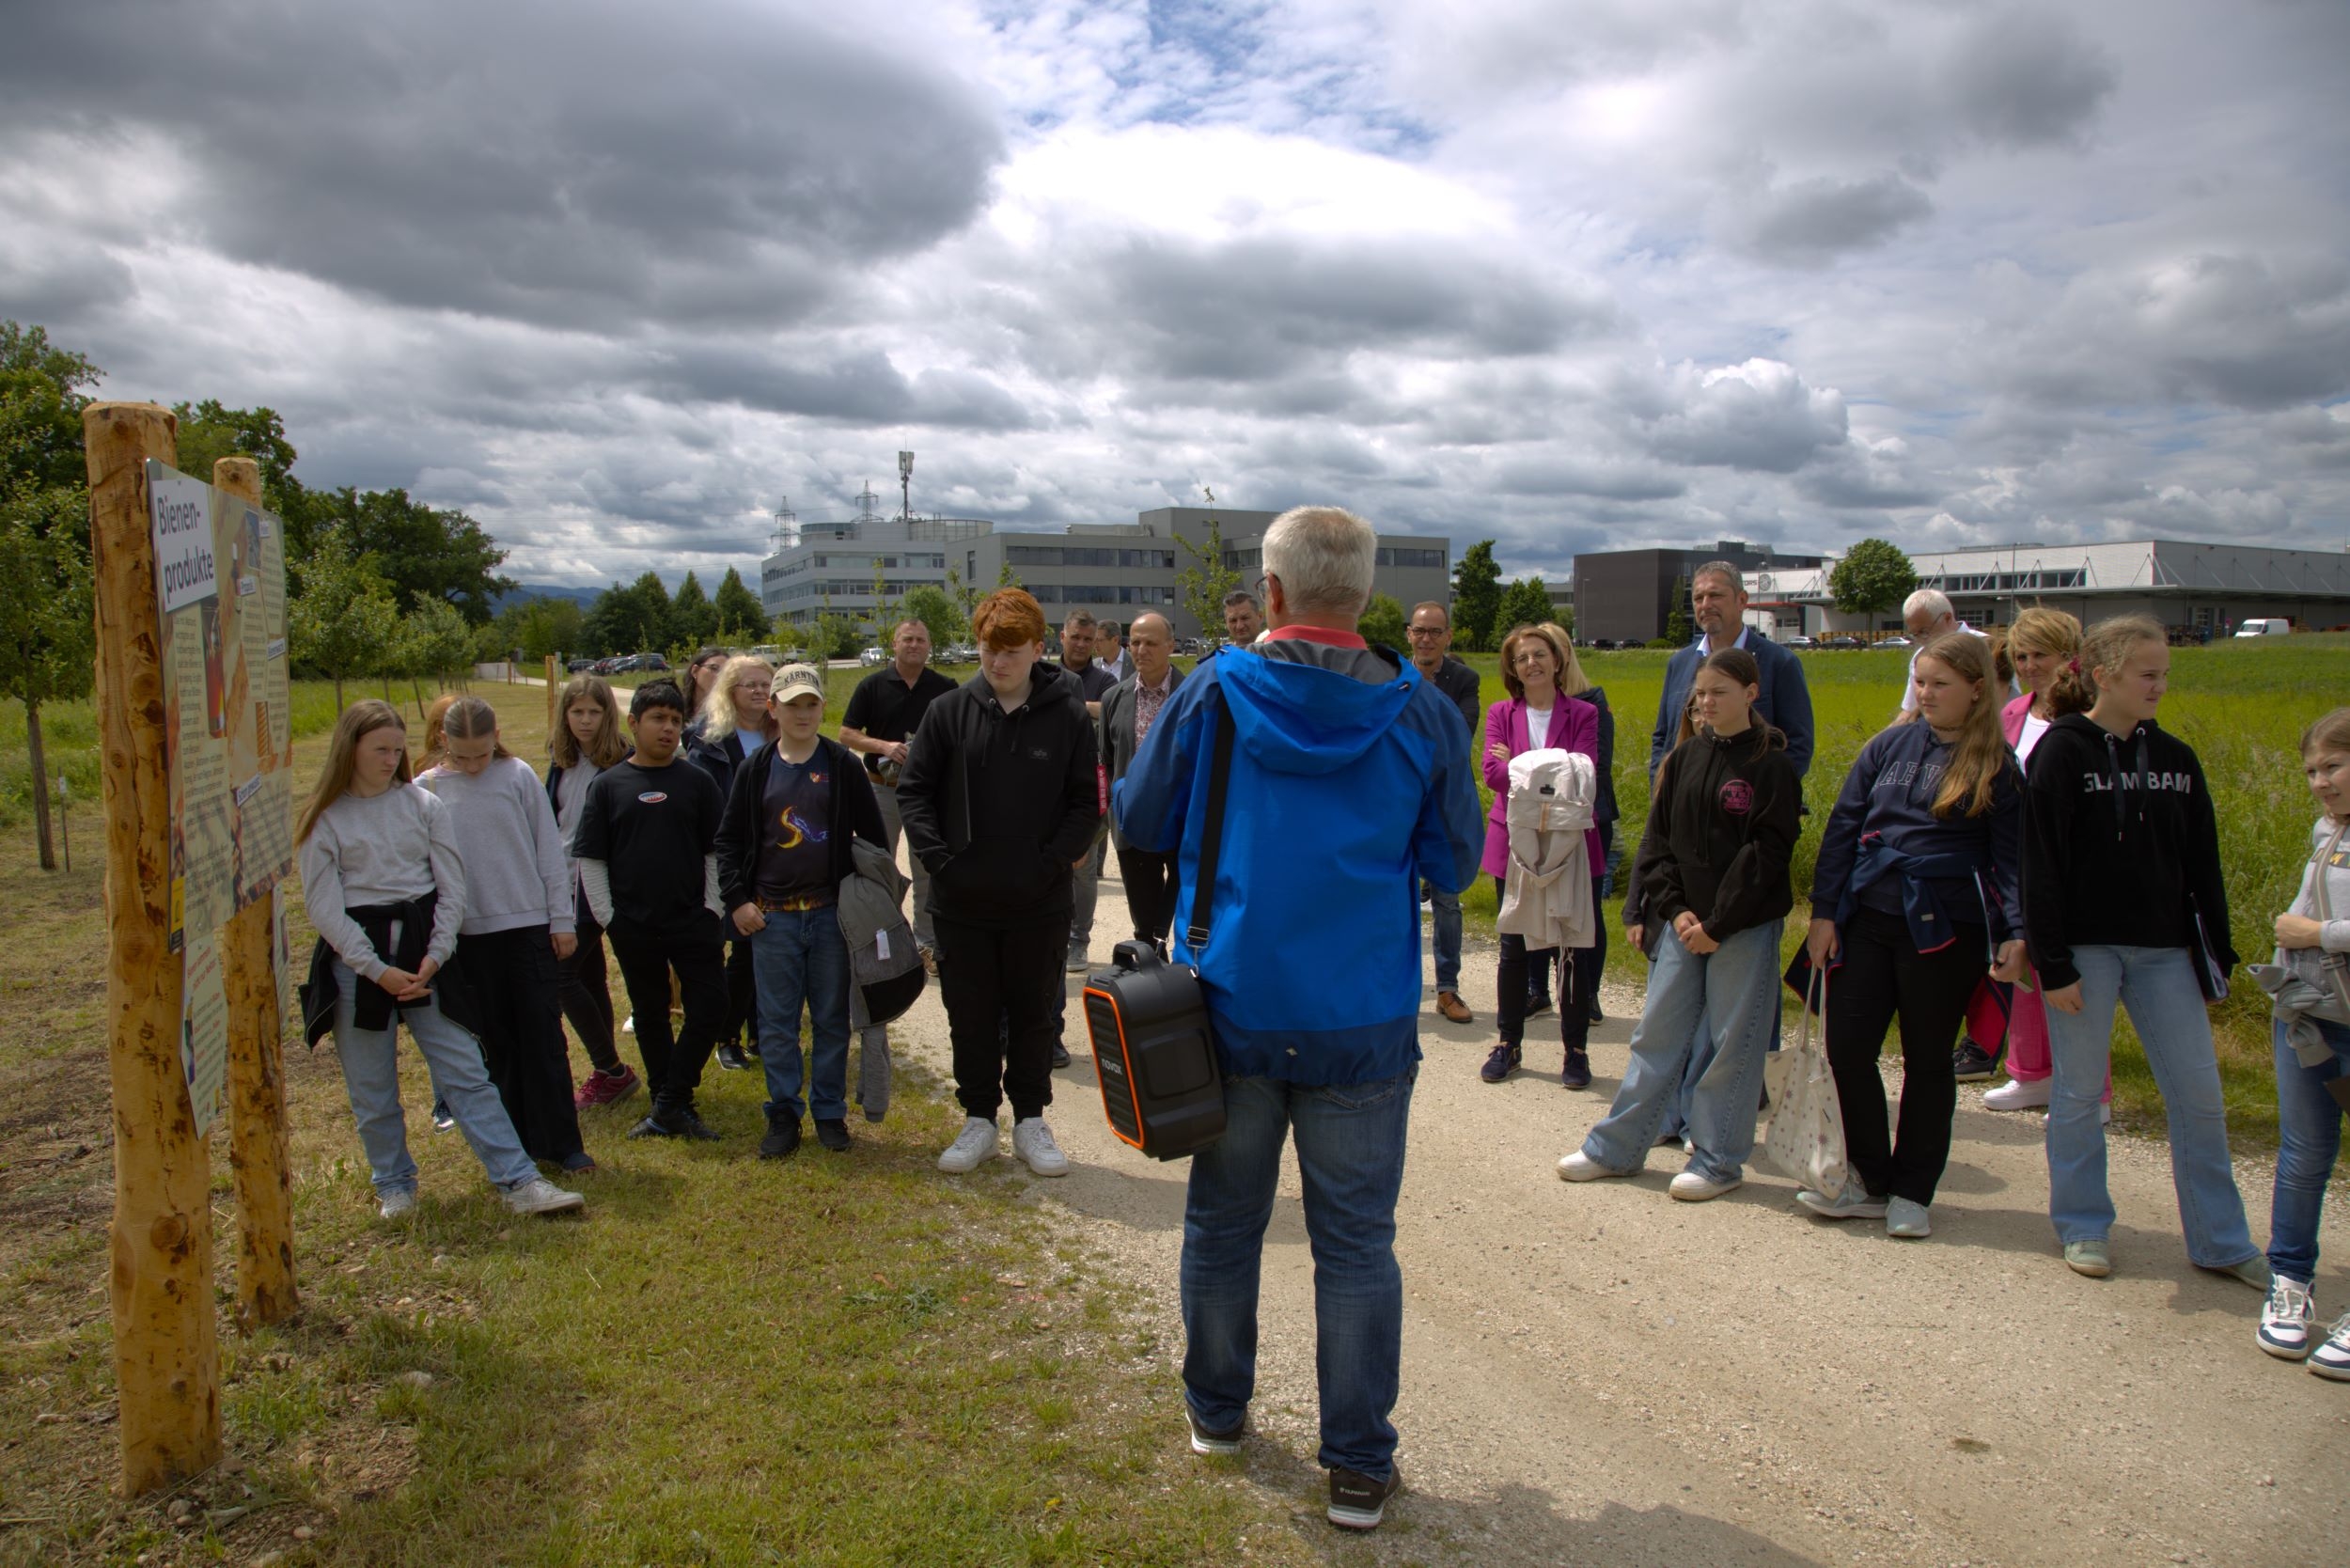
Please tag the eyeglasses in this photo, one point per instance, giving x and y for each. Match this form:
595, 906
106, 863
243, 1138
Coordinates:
1425, 631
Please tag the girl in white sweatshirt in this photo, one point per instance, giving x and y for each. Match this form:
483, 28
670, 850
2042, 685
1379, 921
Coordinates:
518, 926
384, 884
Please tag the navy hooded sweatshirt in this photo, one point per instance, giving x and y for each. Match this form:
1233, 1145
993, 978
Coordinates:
1888, 796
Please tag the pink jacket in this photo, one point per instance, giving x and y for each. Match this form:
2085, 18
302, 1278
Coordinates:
2011, 718
1574, 727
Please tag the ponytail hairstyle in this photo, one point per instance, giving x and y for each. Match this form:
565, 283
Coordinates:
2329, 733
607, 747
2106, 645
435, 731
2003, 664
469, 718
1741, 667
361, 719
1983, 754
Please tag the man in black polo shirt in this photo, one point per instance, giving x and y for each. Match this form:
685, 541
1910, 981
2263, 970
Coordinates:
1431, 634
883, 713
1094, 680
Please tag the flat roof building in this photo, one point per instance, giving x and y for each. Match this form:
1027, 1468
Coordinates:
1627, 596
1116, 571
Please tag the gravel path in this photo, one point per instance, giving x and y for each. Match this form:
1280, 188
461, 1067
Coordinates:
1597, 1374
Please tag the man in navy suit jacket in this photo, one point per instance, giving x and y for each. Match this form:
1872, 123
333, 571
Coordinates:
1718, 599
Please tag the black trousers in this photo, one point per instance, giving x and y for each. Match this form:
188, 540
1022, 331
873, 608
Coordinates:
1574, 1019
515, 983
673, 1064
1883, 976
1149, 879
585, 986
1003, 992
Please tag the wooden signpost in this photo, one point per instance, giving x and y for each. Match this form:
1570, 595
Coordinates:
196, 783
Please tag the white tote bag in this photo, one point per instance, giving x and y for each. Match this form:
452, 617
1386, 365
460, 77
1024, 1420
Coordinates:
1806, 1136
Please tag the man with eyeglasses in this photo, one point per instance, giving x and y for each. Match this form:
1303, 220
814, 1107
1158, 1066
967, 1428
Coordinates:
1431, 634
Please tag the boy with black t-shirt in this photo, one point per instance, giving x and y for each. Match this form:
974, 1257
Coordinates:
645, 846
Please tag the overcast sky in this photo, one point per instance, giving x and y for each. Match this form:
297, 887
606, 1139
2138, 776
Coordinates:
618, 277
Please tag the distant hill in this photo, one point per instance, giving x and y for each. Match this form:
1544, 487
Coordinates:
525, 592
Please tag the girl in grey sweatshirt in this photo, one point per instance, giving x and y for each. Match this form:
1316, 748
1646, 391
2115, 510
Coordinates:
518, 925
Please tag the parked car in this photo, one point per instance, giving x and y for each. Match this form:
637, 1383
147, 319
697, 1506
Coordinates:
1801, 642
874, 656
1842, 642
2268, 626
1893, 642
579, 666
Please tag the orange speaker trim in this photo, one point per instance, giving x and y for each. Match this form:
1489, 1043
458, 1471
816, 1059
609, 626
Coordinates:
1126, 1059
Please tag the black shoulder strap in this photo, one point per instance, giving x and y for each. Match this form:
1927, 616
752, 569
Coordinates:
1212, 835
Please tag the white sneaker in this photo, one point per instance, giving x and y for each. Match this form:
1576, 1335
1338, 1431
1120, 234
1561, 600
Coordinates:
2285, 1322
2332, 1358
1692, 1186
1906, 1219
628, 1025
1033, 1140
1579, 1166
540, 1196
2019, 1094
399, 1203
976, 1143
1852, 1203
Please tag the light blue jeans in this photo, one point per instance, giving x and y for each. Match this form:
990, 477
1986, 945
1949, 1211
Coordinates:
799, 957
1732, 992
371, 1076
2309, 1137
2166, 1006
1350, 1157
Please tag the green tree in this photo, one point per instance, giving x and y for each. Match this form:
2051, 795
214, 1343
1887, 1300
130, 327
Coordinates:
421, 549
548, 626
1678, 626
741, 617
693, 618
631, 619
965, 595
833, 637
936, 611
1203, 585
1874, 576
1476, 596
47, 635
340, 617
40, 440
1524, 603
1382, 622
433, 640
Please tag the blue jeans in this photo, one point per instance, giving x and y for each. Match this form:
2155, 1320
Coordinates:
1446, 909
2309, 1136
2158, 985
799, 957
1731, 995
453, 1058
1349, 1152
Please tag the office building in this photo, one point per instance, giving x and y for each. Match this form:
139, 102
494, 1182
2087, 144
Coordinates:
1628, 596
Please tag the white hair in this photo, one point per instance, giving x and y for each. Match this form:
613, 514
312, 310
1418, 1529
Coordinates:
1933, 603
1324, 557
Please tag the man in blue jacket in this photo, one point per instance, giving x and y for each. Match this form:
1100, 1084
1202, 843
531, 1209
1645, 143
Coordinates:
1349, 784
1718, 601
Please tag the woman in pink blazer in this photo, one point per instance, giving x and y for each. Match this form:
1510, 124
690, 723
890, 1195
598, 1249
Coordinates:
1537, 666
2040, 644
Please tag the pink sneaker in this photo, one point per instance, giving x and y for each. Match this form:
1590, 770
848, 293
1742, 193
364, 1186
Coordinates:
603, 1088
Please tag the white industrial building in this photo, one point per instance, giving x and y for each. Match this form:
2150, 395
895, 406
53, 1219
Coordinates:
2181, 583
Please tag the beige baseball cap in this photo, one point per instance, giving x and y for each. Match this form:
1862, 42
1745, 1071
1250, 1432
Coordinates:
798, 681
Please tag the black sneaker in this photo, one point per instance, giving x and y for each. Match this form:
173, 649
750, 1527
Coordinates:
653, 1126
1538, 1003
1060, 1055
832, 1132
782, 1138
1500, 1063
688, 1122
1577, 1071
730, 1057
1970, 1063
1358, 1502
442, 1118
1592, 1010
1205, 1441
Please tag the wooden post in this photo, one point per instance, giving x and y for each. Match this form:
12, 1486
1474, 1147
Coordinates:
166, 1355
554, 693
256, 1070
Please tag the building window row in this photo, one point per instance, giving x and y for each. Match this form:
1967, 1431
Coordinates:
866, 563
1079, 593
1076, 554
1410, 556
2007, 582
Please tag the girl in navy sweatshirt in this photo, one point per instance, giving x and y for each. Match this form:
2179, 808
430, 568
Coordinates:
1913, 895
2124, 906
384, 883
1712, 874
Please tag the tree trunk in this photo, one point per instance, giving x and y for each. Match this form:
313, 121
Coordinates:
160, 1283
40, 785
338, 696
418, 686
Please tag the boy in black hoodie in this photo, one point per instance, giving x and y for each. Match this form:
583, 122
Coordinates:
2124, 905
1000, 801
1713, 872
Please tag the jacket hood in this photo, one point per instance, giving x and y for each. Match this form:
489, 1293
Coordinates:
1047, 680
1299, 715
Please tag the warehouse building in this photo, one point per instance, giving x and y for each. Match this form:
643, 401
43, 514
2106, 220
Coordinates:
1117, 570
1628, 596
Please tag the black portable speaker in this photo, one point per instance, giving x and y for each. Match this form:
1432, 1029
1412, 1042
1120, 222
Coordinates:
1152, 1054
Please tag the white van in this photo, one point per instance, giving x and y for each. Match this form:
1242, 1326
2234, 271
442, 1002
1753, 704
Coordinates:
2270, 627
